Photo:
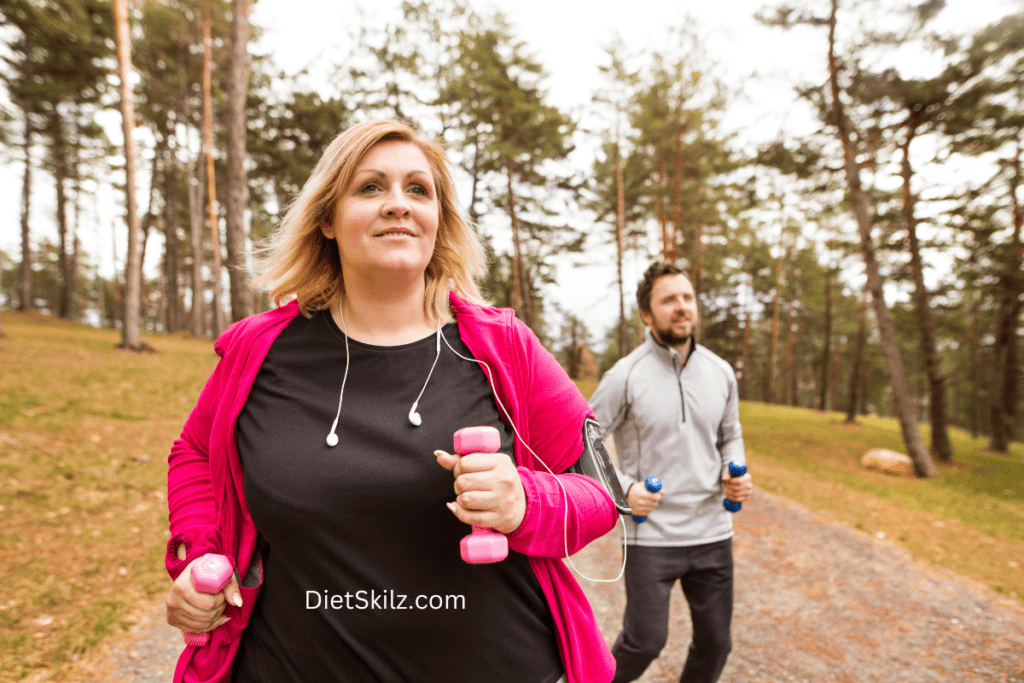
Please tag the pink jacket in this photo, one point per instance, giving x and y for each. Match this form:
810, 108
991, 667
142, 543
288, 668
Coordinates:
206, 498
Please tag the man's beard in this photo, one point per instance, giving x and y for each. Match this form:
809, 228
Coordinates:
667, 336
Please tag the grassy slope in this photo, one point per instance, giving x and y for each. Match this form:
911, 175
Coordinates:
85, 430
84, 434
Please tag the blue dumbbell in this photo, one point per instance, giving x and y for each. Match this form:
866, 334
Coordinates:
653, 485
734, 471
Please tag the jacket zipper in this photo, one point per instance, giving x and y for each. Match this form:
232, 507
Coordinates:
679, 383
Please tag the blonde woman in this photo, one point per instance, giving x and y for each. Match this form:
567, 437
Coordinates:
310, 461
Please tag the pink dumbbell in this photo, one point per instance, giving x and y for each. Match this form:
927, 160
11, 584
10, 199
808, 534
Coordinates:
483, 545
209, 575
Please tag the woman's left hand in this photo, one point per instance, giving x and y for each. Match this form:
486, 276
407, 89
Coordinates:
489, 492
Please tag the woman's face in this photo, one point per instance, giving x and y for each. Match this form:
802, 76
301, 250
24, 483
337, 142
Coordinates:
386, 220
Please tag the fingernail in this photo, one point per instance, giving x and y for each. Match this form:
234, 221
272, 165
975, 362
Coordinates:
439, 453
237, 599
451, 506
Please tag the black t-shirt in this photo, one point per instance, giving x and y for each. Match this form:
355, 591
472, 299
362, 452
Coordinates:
363, 579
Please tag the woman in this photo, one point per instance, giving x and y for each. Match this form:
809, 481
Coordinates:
308, 458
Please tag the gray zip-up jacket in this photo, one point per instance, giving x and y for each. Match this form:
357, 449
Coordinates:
681, 424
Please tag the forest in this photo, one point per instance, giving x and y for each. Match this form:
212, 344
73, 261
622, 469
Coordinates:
872, 265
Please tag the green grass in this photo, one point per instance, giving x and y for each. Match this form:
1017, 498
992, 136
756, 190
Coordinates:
983, 489
84, 434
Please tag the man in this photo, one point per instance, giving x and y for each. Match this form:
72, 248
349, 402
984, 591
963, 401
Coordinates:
673, 407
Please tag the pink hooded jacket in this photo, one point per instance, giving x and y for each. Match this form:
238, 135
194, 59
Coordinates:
206, 498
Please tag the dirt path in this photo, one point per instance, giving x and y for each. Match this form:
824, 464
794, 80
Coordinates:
815, 602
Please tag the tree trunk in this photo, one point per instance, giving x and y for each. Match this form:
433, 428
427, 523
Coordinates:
773, 344
172, 321
150, 216
786, 394
858, 357
975, 408
131, 332
60, 173
520, 296
659, 204
235, 189
211, 183
677, 183
25, 271
826, 362
902, 399
941, 446
745, 379
620, 232
797, 355
1011, 284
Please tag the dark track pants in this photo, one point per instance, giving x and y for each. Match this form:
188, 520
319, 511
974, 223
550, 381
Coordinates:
705, 574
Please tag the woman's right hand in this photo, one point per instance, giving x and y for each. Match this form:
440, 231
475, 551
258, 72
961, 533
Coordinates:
195, 612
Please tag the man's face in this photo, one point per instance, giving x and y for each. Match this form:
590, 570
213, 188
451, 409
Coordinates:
673, 313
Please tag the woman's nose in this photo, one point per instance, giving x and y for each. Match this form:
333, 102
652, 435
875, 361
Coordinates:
395, 204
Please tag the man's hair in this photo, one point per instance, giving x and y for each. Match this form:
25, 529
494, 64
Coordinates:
646, 285
297, 260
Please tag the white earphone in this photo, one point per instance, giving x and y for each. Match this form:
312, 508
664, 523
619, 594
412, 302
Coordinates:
414, 417
416, 420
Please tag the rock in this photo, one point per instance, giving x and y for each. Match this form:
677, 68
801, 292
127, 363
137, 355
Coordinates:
889, 462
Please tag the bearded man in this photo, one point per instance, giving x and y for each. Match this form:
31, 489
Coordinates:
673, 408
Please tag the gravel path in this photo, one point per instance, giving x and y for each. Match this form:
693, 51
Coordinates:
815, 602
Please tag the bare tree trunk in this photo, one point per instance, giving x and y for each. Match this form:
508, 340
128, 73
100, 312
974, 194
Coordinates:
211, 183
1011, 284
858, 357
60, 173
786, 394
197, 316
797, 355
620, 232
773, 344
826, 362
25, 270
520, 293
745, 379
677, 183
236, 190
172, 320
150, 216
659, 203
923, 465
941, 445
131, 332
975, 410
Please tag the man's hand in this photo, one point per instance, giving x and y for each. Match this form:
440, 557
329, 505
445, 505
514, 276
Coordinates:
737, 489
489, 492
195, 612
641, 501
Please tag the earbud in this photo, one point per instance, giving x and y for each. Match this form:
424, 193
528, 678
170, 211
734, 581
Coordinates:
414, 417
332, 439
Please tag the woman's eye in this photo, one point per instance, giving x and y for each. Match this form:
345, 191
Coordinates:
368, 188
420, 190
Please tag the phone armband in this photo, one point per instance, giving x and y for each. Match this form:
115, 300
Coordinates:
596, 464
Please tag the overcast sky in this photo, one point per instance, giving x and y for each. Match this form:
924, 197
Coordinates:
567, 36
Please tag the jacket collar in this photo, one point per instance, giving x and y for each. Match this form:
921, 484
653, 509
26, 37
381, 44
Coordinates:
668, 353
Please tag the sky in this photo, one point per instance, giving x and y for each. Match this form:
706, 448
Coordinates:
760, 65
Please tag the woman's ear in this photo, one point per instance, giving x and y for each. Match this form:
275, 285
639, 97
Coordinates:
327, 230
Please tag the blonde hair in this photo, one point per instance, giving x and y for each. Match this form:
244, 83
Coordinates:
297, 260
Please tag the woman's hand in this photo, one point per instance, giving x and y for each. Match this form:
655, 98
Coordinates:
489, 492
195, 612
